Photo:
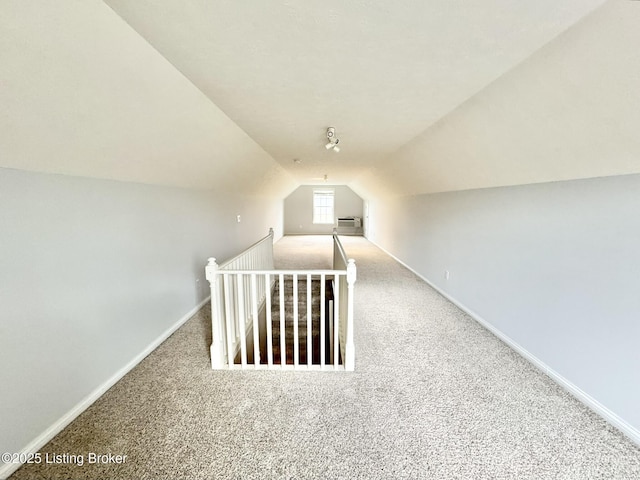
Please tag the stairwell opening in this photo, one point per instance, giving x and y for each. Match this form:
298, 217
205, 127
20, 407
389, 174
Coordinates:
263, 317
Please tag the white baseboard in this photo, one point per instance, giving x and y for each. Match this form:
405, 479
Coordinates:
629, 430
41, 440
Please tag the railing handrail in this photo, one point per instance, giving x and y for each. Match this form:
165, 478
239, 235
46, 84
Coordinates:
337, 244
244, 252
283, 272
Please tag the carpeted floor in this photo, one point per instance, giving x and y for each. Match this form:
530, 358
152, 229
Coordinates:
434, 395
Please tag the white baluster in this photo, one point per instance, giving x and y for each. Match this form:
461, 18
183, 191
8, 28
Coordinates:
349, 361
234, 312
227, 306
331, 326
256, 332
242, 320
261, 290
267, 282
283, 348
309, 325
323, 293
337, 319
296, 339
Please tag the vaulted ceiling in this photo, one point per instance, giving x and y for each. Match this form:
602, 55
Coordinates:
425, 96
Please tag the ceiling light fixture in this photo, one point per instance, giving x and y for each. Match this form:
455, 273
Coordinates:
333, 141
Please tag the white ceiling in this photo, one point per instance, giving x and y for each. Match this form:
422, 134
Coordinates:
570, 111
83, 94
380, 72
425, 95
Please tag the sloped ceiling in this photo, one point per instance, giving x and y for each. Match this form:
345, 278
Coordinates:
380, 72
425, 95
570, 111
83, 94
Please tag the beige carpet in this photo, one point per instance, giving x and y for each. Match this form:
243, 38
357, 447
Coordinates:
434, 395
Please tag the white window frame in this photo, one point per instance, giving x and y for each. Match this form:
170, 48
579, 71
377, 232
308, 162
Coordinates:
324, 202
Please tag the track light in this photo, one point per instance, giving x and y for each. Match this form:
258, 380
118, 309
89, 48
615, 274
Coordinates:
333, 141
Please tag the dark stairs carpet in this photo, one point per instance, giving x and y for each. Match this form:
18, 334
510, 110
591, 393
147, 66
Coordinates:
302, 322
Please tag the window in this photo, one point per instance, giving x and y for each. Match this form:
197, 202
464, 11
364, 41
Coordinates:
323, 206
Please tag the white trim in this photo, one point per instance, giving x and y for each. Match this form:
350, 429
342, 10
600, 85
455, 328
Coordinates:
41, 440
619, 423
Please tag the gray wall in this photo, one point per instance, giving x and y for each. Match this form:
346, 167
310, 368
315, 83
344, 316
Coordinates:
552, 266
91, 273
298, 209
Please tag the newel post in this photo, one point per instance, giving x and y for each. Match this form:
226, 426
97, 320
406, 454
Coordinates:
350, 354
217, 319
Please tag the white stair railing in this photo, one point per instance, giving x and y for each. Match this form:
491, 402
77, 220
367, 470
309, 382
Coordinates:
345, 299
246, 330
229, 304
